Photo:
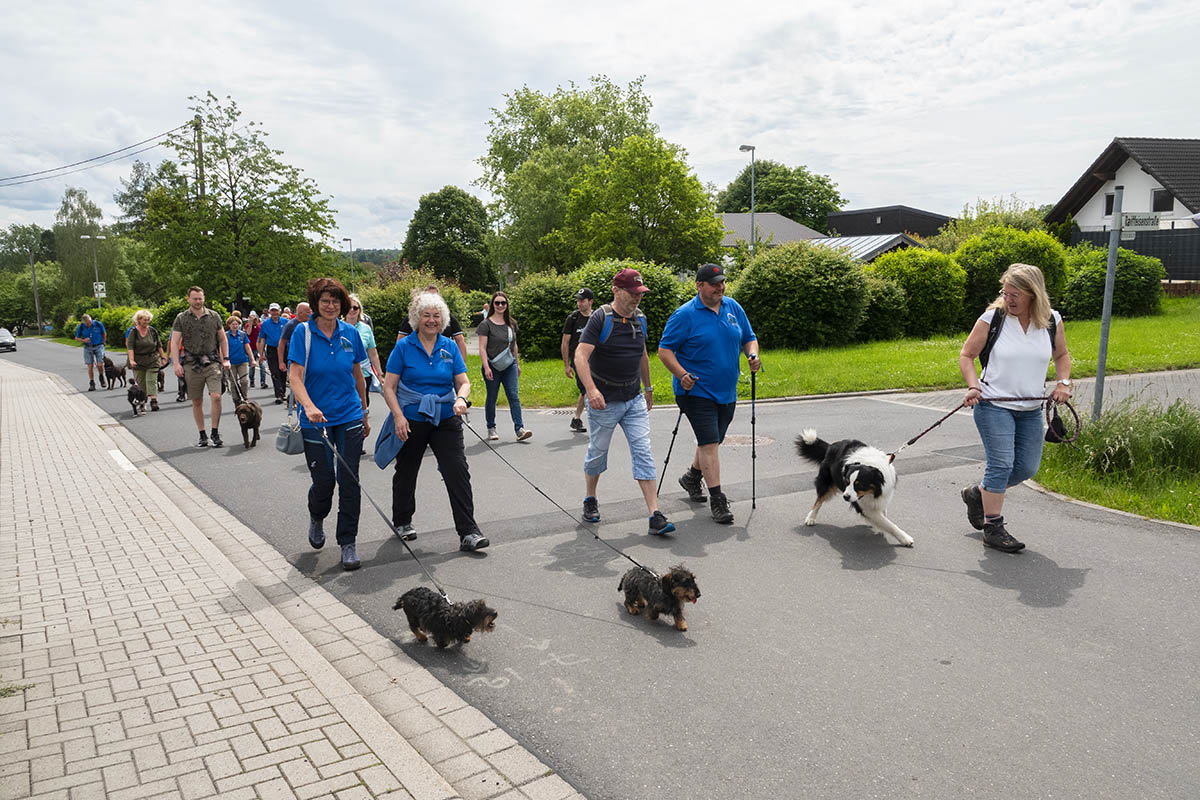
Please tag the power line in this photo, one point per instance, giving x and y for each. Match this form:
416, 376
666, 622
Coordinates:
81, 169
96, 158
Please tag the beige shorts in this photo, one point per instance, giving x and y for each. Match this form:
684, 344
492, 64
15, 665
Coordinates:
199, 377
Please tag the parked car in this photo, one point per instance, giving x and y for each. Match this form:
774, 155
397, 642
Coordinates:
7, 340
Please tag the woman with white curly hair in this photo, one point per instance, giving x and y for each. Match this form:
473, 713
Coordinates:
426, 388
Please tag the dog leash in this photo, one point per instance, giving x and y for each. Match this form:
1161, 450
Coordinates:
235, 390
560, 508
1049, 403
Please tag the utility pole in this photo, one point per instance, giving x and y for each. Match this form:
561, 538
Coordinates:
37, 306
199, 154
1114, 240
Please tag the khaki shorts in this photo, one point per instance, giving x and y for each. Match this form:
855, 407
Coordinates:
198, 377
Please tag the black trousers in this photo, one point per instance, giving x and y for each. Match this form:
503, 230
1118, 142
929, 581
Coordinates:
278, 376
446, 440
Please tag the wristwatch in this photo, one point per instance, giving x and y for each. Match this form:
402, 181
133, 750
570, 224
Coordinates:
1065, 381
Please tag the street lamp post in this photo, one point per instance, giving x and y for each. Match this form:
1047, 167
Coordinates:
350, 247
95, 266
749, 148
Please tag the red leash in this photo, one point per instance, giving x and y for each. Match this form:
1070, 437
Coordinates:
1051, 415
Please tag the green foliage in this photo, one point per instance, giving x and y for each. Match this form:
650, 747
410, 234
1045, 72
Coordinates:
985, 257
17, 308
18, 241
933, 283
81, 259
666, 293
448, 233
802, 295
540, 303
886, 310
534, 200
794, 192
164, 315
1009, 212
1137, 285
1063, 230
641, 203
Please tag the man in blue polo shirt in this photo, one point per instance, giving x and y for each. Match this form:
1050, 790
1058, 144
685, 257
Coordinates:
268, 349
91, 333
702, 346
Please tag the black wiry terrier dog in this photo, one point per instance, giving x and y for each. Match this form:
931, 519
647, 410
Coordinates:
665, 595
112, 374
429, 613
137, 397
249, 415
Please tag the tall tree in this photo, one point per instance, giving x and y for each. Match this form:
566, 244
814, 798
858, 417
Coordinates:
641, 202
18, 241
135, 192
82, 260
795, 192
254, 227
449, 233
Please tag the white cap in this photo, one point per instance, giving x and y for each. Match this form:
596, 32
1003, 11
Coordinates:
274, 307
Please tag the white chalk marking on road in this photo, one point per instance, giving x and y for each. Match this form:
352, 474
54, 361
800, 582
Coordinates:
122, 462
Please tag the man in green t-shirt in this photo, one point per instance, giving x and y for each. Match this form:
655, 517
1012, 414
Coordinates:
200, 351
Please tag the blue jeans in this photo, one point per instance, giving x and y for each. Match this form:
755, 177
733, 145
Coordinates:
1012, 442
507, 377
634, 420
262, 372
93, 354
327, 471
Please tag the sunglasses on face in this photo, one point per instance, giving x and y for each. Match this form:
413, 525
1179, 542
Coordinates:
355, 308
500, 302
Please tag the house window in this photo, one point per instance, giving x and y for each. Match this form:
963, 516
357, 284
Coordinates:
1161, 200
1108, 204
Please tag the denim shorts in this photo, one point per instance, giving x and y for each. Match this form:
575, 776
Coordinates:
708, 418
1012, 442
93, 354
634, 419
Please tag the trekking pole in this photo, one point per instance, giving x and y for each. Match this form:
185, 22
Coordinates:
753, 443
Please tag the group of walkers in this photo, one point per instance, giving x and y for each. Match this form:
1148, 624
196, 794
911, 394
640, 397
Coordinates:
329, 362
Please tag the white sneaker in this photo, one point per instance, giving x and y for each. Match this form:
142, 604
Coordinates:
523, 434
492, 435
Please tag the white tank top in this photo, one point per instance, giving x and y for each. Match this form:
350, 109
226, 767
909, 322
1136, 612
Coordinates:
1018, 361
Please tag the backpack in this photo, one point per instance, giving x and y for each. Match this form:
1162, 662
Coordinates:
607, 326
994, 333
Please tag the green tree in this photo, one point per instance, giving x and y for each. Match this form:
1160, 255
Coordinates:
1010, 212
794, 192
449, 233
18, 241
83, 261
133, 198
641, 203
985, 257
256, 227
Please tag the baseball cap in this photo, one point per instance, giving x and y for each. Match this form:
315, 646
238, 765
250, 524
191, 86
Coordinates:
631, 281
585, 294
274, 307
710, 273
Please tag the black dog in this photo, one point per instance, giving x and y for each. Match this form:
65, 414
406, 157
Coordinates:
665, 595
249, 415
429, 613
137, 398
112, 374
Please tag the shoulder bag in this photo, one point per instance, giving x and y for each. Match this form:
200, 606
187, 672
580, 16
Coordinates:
506, 358
290, 440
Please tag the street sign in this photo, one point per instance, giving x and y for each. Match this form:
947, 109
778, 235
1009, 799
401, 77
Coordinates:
98, 289
1140, 221
1128, 236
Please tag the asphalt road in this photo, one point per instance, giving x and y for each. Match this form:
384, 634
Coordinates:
821, 662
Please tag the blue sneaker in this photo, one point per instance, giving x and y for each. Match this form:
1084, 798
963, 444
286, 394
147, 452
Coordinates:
591, 509
316, 534
349, 558
659, 524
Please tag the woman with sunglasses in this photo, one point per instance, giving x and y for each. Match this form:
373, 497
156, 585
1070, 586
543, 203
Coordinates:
371, 370
501, 366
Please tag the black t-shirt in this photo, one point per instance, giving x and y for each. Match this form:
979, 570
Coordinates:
617, 364
573, 327
452, 330
285, 338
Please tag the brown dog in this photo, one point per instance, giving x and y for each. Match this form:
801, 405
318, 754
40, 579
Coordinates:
249, 415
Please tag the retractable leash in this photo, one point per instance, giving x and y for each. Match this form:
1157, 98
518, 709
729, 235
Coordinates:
388, 522
556, 505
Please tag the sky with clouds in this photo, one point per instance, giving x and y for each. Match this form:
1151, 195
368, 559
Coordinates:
927, 104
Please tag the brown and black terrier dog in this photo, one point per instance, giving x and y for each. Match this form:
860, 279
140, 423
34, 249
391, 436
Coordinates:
430, 613
249, 416
112, 374
665, 595
137, 397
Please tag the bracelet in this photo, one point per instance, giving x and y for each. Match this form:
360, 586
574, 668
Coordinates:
649, 389
975, 388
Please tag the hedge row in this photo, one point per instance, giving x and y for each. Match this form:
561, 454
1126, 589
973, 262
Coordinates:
118, 319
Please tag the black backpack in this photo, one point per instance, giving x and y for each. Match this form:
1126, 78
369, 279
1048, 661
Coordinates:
994, 333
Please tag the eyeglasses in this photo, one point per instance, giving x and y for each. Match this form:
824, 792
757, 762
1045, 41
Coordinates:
499, 302
355, 308
1012, 295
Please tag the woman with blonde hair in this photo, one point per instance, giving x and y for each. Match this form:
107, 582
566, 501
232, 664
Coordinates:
241, 357
145, 350
1030, 336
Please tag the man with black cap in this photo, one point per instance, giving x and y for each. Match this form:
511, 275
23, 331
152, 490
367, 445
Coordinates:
702, 346
572, 328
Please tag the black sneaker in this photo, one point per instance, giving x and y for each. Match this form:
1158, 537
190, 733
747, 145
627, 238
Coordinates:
278, 401
690, 481
577, 426
203, 440
91, 386
216, 439
995, 535
316, 534
473, 541
720, 508
591, 509
974, 500
406, 532
659, 524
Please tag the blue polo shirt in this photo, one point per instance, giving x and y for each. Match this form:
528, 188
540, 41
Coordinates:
424, 373
237, 347
708, 344
328, 373
272, 330
94, 333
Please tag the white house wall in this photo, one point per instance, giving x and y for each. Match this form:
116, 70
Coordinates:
1139, 187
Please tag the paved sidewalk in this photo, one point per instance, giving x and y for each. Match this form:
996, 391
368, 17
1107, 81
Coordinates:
137, 661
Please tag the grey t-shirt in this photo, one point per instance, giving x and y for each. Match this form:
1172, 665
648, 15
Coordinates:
497, 337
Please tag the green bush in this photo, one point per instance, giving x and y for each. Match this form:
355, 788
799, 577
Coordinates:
115, 319
886, 314
1137, 285
803, 295
934, 285
987, 255
66, 315
539, 303
169, 309
666, 294
1142, 444
474, 300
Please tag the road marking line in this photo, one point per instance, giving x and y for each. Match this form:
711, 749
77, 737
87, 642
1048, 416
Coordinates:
122, 462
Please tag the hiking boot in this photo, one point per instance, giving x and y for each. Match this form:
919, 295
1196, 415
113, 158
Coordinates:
91, 386
203, 440
278, 401
690, 481
523, 434
659, 524
154, 404
473, 541
407, 532
350, 558
577, 426
216, 438
974, 500
493, 435
591, 509
316, 534
720, 508
995, 535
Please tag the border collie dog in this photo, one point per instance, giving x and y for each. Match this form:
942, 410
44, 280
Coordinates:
863, 475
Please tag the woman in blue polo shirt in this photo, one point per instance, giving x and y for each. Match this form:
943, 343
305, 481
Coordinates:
426, 389
240, 356
329, 388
